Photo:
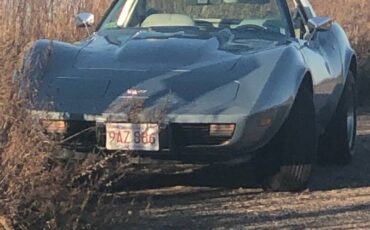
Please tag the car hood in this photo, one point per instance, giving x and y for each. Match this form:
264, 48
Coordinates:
166, 51
187, 74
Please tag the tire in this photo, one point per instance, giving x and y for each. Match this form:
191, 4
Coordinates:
336, 146
286, 163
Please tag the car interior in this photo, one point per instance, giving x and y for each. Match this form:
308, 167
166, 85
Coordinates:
190, 13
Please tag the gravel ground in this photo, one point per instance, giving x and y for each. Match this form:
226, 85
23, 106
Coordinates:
211, 198
188, 196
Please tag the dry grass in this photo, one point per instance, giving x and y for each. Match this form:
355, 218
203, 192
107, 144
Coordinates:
37, 191
33, 191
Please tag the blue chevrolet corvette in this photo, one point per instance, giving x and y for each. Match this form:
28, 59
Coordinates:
244, 79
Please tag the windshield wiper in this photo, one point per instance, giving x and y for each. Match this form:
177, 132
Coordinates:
248, 30
171, 29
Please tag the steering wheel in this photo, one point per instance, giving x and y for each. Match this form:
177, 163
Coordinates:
250, 27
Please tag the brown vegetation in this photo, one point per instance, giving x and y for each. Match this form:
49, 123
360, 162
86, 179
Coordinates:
33, 189
36, 190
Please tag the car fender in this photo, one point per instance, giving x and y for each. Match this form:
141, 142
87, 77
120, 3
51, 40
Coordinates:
276, 98
57, 57
348, 54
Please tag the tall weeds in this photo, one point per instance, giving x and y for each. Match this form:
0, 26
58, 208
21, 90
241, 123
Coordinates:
36, 190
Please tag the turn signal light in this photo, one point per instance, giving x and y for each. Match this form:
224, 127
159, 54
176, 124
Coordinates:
57, 127
222, 130
266, 121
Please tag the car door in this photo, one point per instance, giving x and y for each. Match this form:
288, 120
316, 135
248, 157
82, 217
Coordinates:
322, 56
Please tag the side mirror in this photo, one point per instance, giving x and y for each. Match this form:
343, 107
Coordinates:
319, 24
85, 20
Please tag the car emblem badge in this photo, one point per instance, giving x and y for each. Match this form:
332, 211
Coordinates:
136, 92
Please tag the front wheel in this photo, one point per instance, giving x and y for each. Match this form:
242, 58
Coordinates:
286, 163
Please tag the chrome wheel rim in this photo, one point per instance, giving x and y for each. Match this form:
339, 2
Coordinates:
351, 123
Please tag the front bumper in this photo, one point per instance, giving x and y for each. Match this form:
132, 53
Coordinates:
179, 134
84, 136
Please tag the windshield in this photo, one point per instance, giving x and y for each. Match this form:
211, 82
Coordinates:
240, 15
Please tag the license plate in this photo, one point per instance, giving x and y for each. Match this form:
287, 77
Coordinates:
140, 137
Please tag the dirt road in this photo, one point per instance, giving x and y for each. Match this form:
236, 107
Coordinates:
228, 197
211, 198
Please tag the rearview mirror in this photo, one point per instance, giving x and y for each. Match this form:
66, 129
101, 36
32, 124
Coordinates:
85, 20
